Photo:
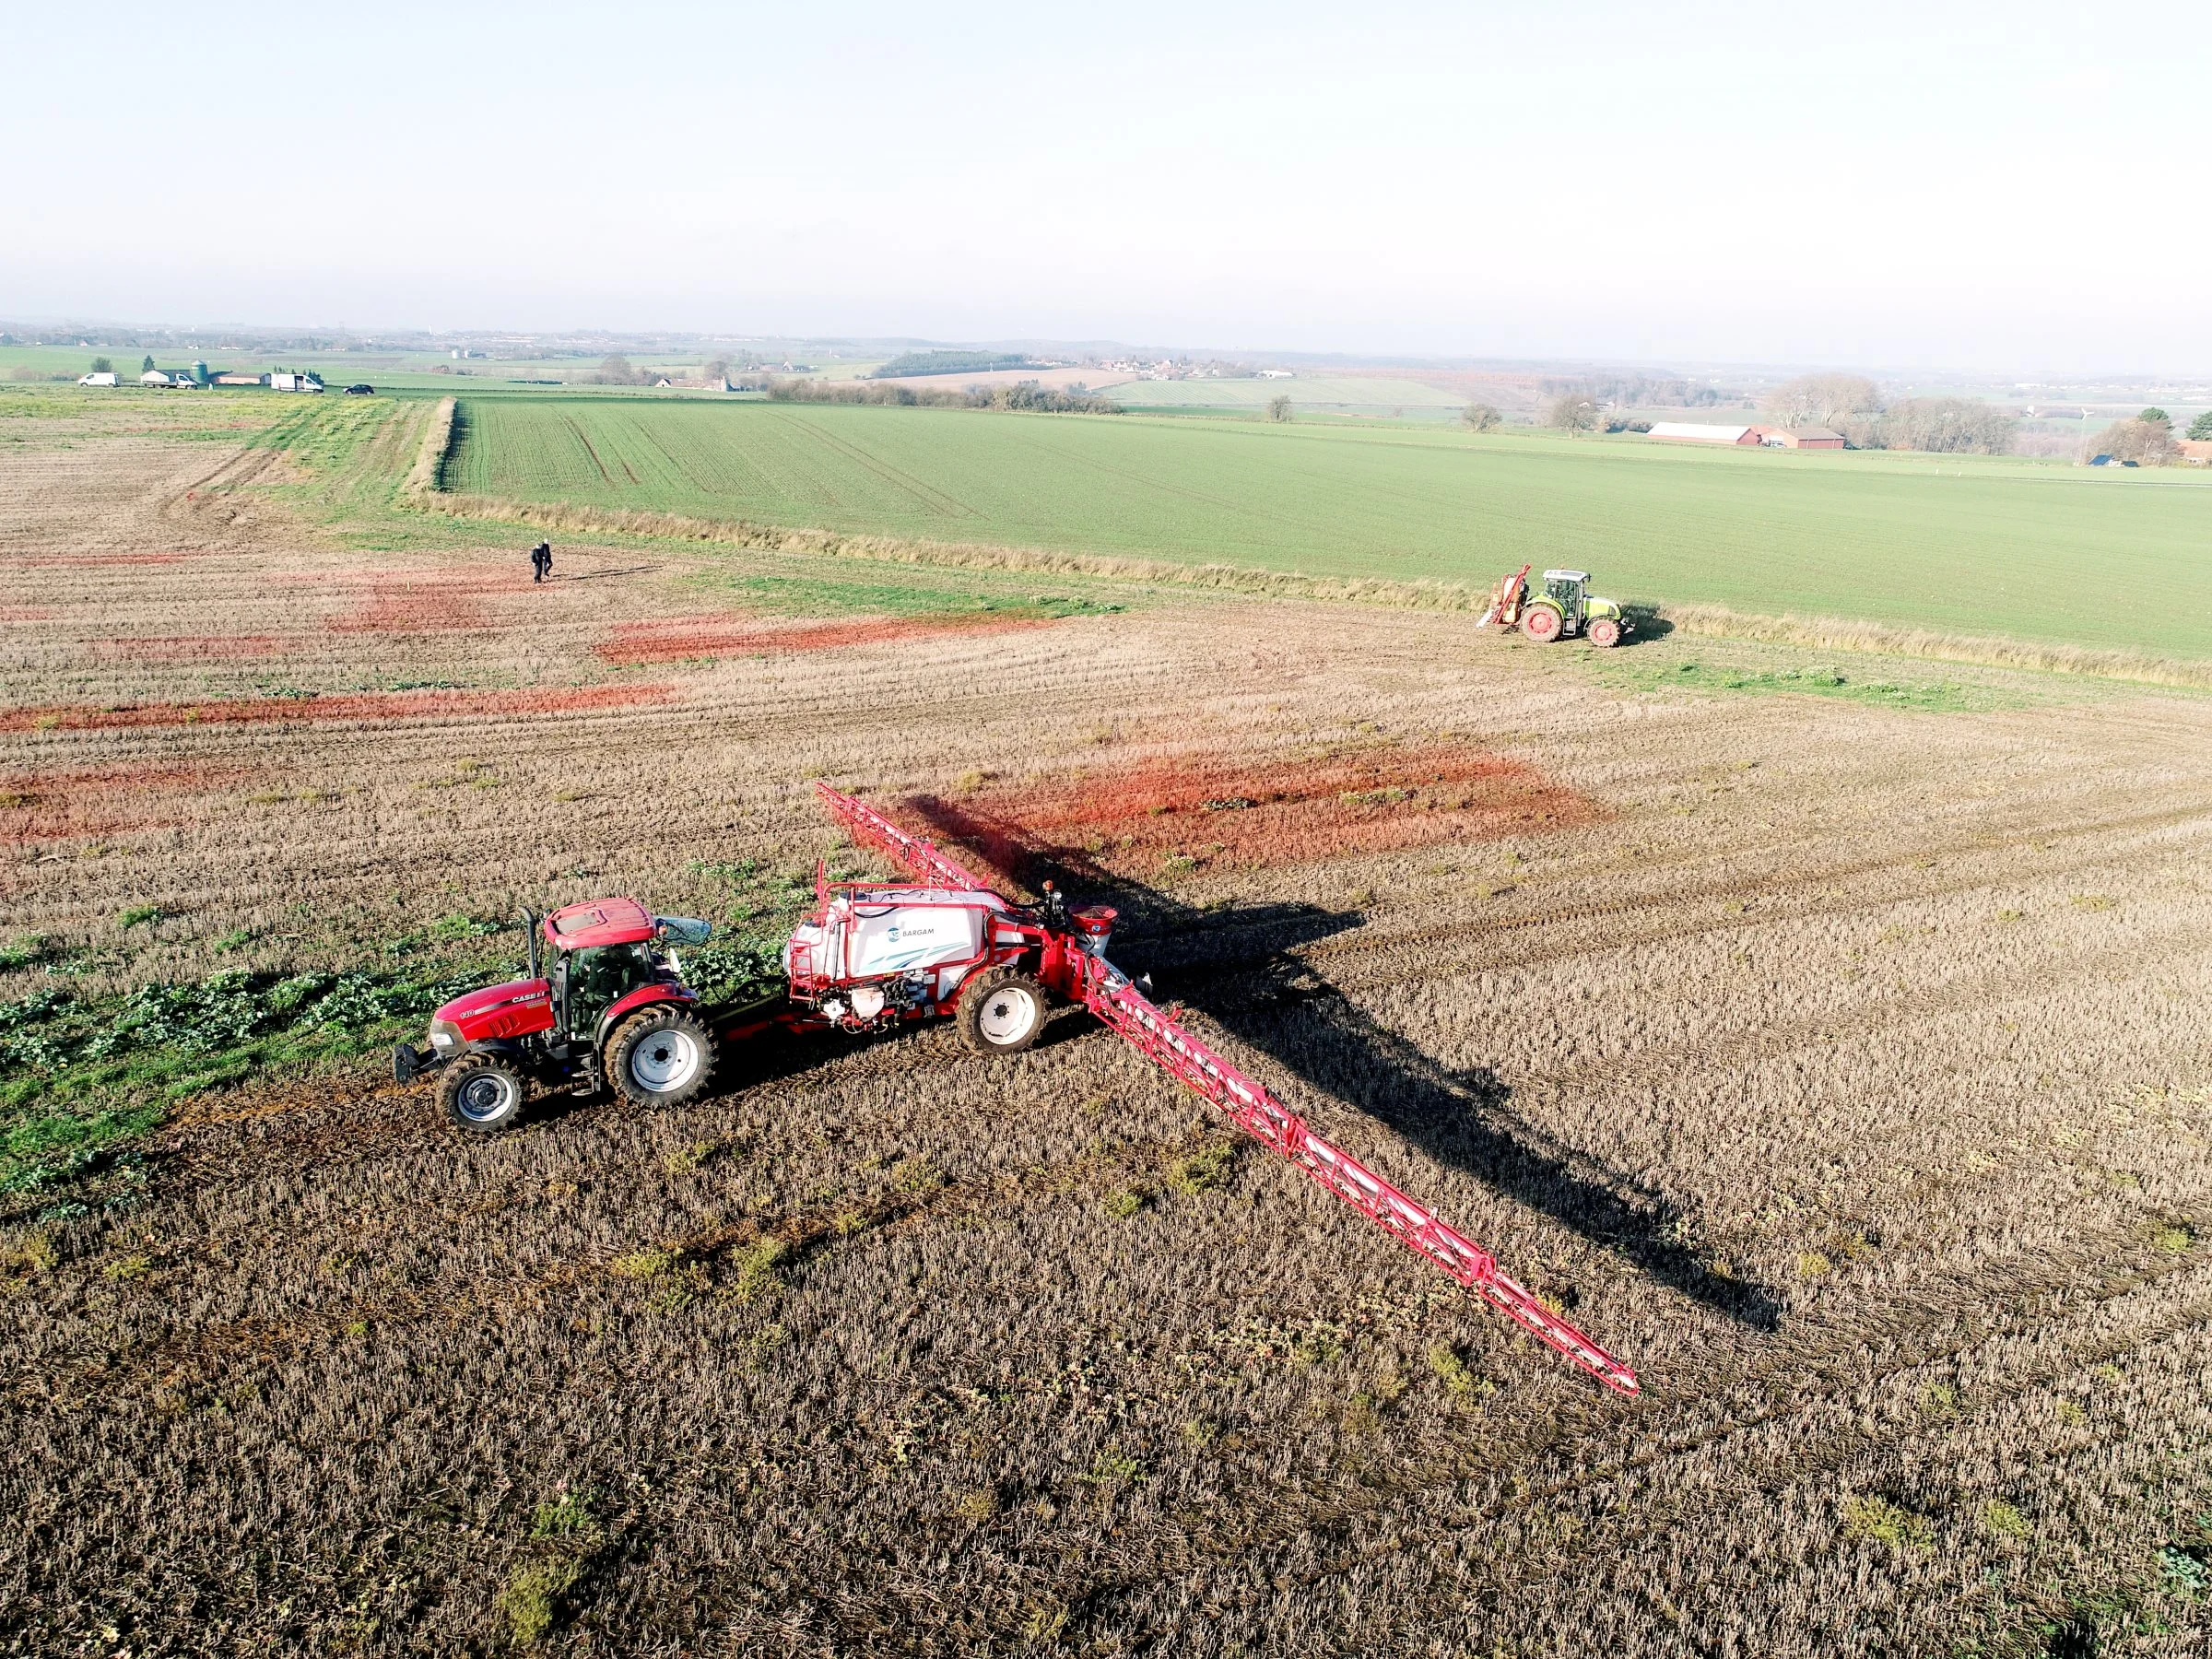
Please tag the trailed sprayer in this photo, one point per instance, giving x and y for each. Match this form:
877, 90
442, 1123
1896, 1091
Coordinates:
871, 957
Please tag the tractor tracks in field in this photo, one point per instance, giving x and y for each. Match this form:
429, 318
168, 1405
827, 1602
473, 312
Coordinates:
1802, 1381
187, 1354
1822, 880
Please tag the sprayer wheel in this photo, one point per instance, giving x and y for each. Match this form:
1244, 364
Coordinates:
1002, 1012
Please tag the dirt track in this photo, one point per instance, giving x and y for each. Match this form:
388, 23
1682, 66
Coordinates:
1842, 1069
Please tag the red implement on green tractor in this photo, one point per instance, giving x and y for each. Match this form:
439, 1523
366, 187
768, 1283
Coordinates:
1563, 608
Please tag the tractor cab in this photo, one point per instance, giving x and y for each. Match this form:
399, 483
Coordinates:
1570, 591
611, 1005
606, 951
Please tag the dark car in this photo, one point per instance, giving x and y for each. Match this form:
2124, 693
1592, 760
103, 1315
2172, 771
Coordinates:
361, 389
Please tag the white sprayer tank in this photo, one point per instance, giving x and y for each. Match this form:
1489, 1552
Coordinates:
885, 931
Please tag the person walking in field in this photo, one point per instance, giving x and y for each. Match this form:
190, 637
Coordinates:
541, 561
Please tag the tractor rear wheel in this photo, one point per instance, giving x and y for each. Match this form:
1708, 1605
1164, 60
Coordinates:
1542, 624
482, 1093
1604, 633
1002, 1012
661, 1056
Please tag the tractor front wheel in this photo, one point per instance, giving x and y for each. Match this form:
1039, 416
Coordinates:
660, 1056
482, 1093
1604, 633
1542, 624
1002, 1012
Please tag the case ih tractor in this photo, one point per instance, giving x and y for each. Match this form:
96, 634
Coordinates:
614, 1009
1565, 607
871, 958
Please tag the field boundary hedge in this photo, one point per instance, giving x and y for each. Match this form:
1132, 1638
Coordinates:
427, 476
1839, 633
768, 538
1824, 633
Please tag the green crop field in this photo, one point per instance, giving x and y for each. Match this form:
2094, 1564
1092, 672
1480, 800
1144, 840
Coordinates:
2040, 551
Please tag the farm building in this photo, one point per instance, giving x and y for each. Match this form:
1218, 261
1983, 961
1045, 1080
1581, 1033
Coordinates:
1799, 438
2195, 449
242, 380
1690, 431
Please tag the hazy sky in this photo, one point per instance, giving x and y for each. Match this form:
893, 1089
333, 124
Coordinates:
2011, 186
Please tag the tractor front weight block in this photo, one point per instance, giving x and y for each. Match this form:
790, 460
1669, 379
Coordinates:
410, 1063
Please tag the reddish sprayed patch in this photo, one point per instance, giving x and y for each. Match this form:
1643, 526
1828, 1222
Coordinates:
98, 561
187, 648
436, 601
1222, 812
26, 612
675, 639
72, 805
324, 710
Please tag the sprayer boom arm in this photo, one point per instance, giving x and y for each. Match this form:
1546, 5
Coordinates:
1108, 993
1106, 990
917, 857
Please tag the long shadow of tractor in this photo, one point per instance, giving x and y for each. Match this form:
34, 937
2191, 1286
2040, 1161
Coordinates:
1239, 967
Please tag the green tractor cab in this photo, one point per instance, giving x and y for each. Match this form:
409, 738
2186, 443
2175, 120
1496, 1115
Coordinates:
1565, 607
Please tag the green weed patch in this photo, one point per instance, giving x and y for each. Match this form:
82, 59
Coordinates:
1933, 696
911, 593
81, 1076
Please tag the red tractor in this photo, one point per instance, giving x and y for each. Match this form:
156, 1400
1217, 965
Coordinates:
870, 958
613, 1009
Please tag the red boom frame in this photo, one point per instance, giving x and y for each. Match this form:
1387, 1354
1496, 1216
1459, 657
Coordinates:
1106, 990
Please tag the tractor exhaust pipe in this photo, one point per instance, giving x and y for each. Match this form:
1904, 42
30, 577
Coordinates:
530, 934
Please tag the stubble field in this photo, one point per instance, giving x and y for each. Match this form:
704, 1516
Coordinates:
1836, 1059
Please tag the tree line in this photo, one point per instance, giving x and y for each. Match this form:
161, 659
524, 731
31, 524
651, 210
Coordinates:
1641, 391
948, 362
1851, 405
1028, 395
1847, 404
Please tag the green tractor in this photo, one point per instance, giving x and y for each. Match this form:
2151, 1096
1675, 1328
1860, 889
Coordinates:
1565, 606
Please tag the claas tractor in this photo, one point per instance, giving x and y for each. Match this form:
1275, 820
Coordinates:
1563, 608
611, 1008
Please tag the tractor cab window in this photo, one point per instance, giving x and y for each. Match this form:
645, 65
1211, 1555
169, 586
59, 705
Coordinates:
598, 978
1567, 593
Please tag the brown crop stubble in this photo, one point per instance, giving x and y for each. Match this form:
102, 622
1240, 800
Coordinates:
679, 639
65, 805
1816, 984
185, 648
336, 708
